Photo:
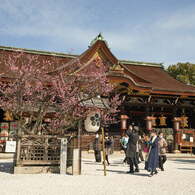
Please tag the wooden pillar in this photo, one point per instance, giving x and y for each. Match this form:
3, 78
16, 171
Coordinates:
80, 145
122, 113
104, 154
147, 113
122, 110
175, 146
175, 135
46, 149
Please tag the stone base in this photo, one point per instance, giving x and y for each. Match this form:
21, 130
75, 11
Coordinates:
176, 152
36, 169
69, 170
6, 155
75, 166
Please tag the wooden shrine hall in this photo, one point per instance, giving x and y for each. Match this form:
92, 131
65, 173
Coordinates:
151, 98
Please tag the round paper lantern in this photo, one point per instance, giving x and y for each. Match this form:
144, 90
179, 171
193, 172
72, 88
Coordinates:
92, 122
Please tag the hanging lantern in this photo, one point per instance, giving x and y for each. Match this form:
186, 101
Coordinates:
153, 120
184, 121
8, 116
124, 121
4, 132
162, 120
4, 136
13, 129
92, 122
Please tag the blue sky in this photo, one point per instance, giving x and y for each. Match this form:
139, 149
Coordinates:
140, 30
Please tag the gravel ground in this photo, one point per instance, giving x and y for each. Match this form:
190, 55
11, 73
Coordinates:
178, 178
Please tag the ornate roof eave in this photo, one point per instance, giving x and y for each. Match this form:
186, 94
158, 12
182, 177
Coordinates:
129, 80
151, 90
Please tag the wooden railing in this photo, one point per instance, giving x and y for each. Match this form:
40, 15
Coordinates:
187, 147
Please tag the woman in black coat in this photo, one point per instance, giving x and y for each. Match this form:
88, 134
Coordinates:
153, 153
132, 148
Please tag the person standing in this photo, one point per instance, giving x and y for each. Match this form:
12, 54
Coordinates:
107, 147
132, 147
139, 154
162, 144
97, 148
153, 158
111, 145
146, 140
169, 138
124, 142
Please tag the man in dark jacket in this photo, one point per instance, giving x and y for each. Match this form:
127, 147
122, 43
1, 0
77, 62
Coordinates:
132, 147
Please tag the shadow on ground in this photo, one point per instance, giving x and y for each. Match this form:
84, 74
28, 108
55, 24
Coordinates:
6, 167
187, 169
183, 161
114, 164
124, 172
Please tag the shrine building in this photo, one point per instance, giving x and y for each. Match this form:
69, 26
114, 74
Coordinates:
151, 98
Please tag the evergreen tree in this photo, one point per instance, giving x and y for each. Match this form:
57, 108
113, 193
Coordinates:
184, 72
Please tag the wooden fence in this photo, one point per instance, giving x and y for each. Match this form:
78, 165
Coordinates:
41, 150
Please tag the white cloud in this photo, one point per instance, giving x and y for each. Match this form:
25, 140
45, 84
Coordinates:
169, 37
184, 20
35, 18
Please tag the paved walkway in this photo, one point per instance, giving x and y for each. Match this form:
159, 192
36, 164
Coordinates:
177, 179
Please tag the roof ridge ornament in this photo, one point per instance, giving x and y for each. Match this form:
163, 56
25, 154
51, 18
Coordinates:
117, 67
98, 37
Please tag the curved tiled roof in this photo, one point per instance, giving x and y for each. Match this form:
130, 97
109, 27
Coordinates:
156, 78
141, 75
43, 57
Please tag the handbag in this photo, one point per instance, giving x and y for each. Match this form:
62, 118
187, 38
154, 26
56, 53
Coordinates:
146, 150
162, 150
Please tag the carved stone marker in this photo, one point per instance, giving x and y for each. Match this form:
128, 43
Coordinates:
63, 156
